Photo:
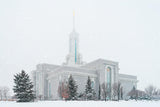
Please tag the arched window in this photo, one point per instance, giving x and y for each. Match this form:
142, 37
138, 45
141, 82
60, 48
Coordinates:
108, 75
108, 82
92, 84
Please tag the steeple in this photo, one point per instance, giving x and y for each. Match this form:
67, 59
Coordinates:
74, 58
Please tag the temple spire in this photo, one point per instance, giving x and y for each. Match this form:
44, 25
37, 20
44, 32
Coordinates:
73, 58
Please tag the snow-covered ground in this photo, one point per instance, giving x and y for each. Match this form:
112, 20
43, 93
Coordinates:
83, 104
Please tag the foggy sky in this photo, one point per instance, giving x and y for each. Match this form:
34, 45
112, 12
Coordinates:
37, 31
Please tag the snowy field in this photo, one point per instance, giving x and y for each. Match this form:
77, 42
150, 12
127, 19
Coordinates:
83, 104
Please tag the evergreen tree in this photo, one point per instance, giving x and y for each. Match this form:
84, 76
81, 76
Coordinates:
99, 93
118, 91
72, 89
90, 94
121, 93
23, 87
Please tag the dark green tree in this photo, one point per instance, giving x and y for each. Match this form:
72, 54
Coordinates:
119, 90
99, 93
23, 88
89, 91
72, 89
121, 93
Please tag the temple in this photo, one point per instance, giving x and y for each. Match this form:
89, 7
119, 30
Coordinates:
48, 77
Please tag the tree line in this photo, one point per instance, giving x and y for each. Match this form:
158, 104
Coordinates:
67, 90
150, 93
23, 89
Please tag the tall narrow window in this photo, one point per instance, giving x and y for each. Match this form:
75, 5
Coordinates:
75, 52
49, 89
108, 82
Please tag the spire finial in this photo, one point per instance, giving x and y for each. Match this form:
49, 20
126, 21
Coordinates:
73, 13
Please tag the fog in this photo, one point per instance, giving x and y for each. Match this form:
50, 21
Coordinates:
37, 31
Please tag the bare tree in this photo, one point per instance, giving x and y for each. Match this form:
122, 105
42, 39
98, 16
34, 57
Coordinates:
106, 91
40, 97
63, 90
150, 90
1, 92
5, 92
115, 91
158, 91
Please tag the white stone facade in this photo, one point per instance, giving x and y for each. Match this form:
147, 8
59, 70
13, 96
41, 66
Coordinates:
47, 77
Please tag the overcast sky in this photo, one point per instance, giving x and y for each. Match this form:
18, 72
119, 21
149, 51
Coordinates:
37, 31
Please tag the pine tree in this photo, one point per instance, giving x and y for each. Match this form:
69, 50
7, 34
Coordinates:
99, 93
118, 91
23, 87
90, 94
72, 89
